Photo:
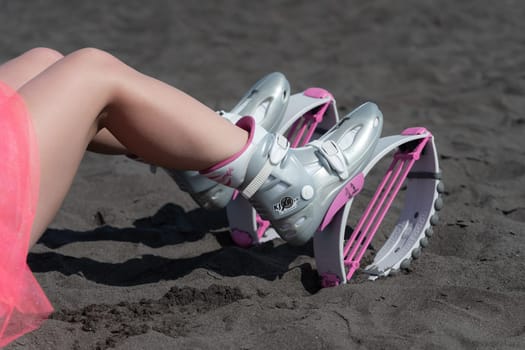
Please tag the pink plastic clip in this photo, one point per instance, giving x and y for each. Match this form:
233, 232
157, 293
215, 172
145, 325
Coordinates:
350, 190
309, 122
417, 130
262, 226
316, 92
241, 238
330, 280
352, 265
416, 152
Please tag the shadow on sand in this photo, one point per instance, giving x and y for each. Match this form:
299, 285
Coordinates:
171, 226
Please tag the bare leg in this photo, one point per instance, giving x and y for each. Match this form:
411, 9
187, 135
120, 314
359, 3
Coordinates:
19, 70
159, 123
105, 143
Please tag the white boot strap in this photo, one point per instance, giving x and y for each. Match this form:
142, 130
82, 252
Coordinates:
258, 180
334, 156
278, 150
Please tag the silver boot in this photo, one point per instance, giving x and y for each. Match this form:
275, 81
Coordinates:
295, 188
266, 102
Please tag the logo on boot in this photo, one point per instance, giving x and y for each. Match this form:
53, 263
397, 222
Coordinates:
285, 205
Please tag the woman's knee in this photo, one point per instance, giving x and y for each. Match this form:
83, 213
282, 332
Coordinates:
42, 56
87, 56
96, 61
21, 69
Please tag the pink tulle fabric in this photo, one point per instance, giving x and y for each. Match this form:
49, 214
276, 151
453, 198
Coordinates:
23, 304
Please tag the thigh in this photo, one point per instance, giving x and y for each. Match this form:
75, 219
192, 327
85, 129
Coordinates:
64, 118
21, 69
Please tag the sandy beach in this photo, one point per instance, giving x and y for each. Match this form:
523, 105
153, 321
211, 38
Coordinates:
131, 262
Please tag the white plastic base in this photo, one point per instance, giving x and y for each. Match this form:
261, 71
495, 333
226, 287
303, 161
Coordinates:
404, 243
410, 234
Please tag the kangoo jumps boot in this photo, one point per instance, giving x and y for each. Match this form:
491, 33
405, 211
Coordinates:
295, 188
266, 102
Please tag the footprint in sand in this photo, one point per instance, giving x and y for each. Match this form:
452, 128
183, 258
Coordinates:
516, 214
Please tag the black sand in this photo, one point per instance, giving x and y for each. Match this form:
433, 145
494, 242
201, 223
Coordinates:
131, 263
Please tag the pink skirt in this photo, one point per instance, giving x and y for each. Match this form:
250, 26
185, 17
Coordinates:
23, 304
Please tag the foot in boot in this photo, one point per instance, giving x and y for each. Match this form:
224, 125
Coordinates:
266, 102
294, 188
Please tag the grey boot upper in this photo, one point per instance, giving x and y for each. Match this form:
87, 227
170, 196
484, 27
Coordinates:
294, 188
300, 189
